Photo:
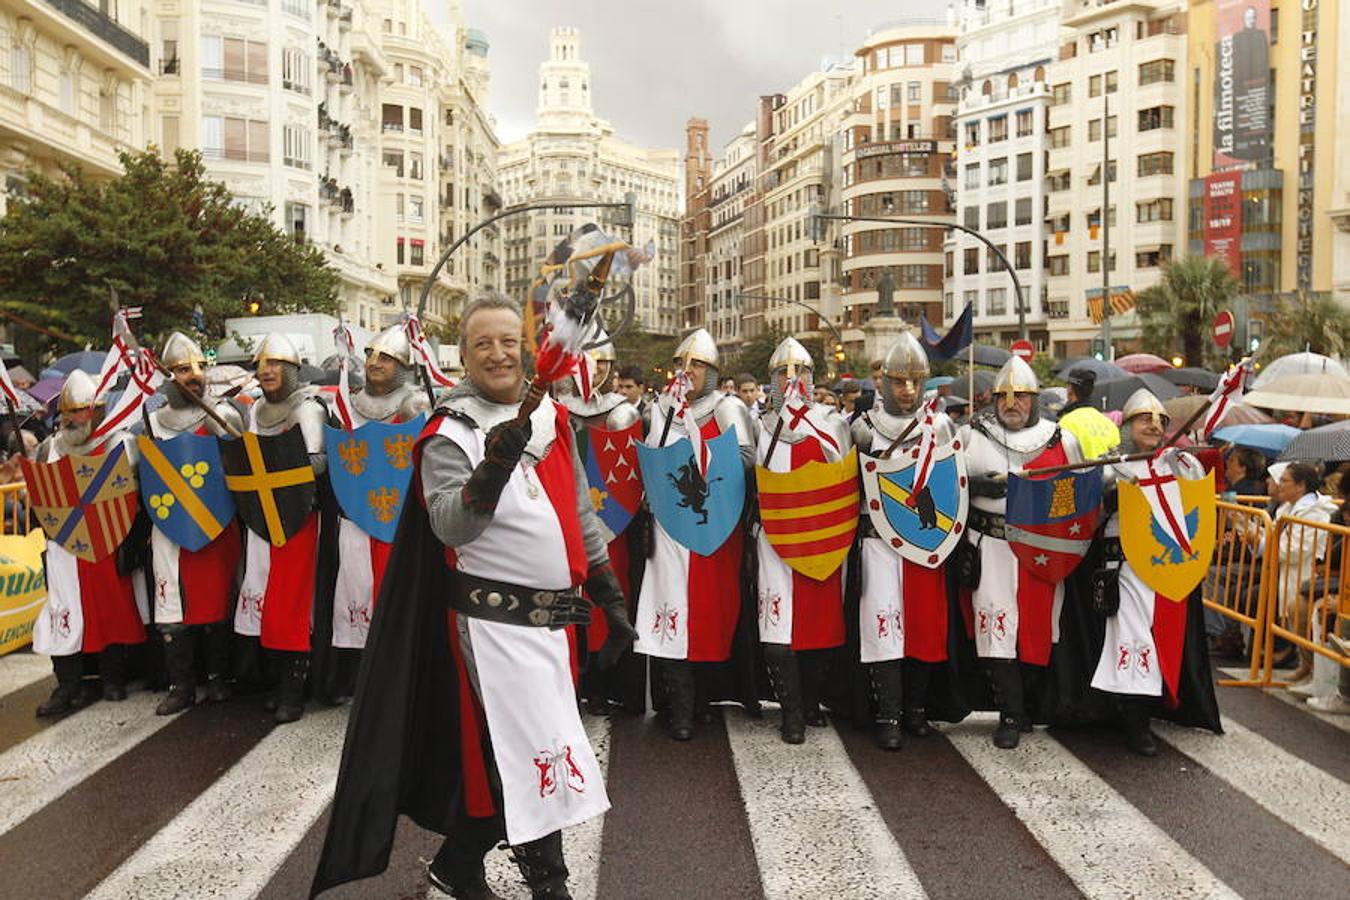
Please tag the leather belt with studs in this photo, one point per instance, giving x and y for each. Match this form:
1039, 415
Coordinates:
513, 604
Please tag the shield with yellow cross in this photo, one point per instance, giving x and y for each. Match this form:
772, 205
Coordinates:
370, 468
183, 488
922, 527
272, 482
810, 514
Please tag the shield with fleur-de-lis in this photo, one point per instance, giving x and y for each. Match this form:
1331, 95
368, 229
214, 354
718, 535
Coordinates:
86, 504
183, 488
370, 468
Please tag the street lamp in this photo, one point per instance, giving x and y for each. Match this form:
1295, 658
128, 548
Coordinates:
815, 227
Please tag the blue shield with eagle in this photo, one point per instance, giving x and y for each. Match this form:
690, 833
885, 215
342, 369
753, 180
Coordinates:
698, 511
370, 469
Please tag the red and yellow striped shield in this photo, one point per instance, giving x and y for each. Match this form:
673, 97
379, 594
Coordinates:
811, 514
84, 503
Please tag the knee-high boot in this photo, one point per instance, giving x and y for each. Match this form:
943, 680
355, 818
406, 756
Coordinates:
112, 668
291, 690
219, 643
180, 660
679, 675
813, 664
69, 692
915, 717
1006, 678
785, 673
542, 866
888, 684
458, 868
1136, 712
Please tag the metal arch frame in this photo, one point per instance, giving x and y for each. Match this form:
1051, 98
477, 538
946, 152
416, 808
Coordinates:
838, 338
1017, 285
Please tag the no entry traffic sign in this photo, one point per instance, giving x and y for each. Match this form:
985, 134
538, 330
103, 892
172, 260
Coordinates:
1023, 349
1224, 326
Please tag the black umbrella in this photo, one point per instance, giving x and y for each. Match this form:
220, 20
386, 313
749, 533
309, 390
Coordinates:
1190, 376
1329, 443
1101, 368
1113, 393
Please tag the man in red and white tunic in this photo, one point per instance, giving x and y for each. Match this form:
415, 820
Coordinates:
389, 394
91, 608
1015, 614
689, 604
1141, 655
902, 607
510, 502
192, 590
276, 598
799, 617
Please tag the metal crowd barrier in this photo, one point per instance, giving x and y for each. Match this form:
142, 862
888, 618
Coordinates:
1304, 601
14, 500
1237, 584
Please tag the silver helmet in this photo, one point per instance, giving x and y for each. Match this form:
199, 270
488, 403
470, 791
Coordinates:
276, 346
1016, 377
1143, 403
905, 363
77, 393
697, 345
181, 350
393, 343
790, 354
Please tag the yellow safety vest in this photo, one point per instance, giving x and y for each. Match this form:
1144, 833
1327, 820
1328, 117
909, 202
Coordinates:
1095, 432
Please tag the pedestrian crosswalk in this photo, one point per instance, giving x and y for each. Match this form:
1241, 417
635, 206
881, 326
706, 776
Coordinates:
733, 813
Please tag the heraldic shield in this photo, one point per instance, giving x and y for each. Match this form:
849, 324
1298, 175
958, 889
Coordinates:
183, 486
1050, 521
698, 512
923, 529
86, 504
810, 514
370, 468
1167, 530
612, 472
272, 482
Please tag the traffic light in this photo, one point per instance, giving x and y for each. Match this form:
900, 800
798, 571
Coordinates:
1255, 330
839, 355
815, 225
1099, 348
1178, 361
253, 307
628, 217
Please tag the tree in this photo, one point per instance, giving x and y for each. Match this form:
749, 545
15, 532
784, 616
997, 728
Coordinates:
1179, 309
652, 353
1308, 321
163, 236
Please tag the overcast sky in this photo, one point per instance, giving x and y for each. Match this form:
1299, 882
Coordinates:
655, 63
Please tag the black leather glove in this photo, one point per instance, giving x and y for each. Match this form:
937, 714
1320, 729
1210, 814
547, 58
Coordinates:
987, 486
603, 588
505, 444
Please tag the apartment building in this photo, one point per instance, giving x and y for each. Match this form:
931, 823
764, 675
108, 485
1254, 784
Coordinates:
733, 180
694, 224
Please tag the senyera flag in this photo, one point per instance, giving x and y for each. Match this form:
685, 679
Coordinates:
810, 514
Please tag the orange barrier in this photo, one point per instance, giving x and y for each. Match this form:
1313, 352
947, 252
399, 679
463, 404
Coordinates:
14, 503
1237, 586
1304, 596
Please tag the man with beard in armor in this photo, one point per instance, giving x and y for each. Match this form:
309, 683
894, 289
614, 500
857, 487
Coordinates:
91, 607
609, 411
192, 589
800, 618
895, 590
390, 395
276, 598
695, 596
1014, 610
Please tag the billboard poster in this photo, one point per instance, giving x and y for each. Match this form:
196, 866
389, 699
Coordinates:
1222, 230
1242, 125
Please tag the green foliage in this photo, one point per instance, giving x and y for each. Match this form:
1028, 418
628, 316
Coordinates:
1043, 365
164, 237
1177, 312
755, 353
636, 346
1308, 321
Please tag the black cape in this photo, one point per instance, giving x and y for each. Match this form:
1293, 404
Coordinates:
402, 750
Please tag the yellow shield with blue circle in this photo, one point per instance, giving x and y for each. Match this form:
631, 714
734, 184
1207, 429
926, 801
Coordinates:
370, 468
1167, 531
183, 488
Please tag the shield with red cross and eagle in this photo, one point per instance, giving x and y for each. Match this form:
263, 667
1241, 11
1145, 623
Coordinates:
612, 473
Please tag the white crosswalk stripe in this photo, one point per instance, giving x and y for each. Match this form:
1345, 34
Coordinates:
815, 828
237, 833
1107, 846
21, 670
1302, 795
54, 760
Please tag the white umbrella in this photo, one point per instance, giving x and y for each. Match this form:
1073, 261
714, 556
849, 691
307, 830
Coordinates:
1314, 393
1298, 364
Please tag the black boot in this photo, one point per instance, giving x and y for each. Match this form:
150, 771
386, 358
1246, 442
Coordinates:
543, 868
1012, 720
179, 657
219, 640
112, 668
915, 719
887, 682
1136, 711
291, 690
458, 868
69, 693
785, 673
680, 694
813, 664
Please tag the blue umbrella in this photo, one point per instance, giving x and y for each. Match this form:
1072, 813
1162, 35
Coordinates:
1270, 439
938, 381
90, 361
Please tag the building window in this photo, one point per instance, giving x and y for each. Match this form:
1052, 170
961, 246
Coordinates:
1058, 181
1155, 117
991, 261
233, 59
1151, 259
1094, 261
415, 76
1159, 70
1095, 128
1096, 177
972, 218
1061, 94
1022, 213
970, 261
1155, 164
399, 255
998, 171
997, 302
21, 68
972, 176
67, 92
1059, 137
1058, 265
394, 159
914, 54
912, 239
415, 166
1095, 83
168, 47
1024, 166
1025, 122
913, 276
972, 134
1159, 210
415, 120
168, 134
914, 92
1022, 255
228, 137
972, 299
998, 129
297, 221
391, 117
295, 70
297, 146
415, 209
996, 216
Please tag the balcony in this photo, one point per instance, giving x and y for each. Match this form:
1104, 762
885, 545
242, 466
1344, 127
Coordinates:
102, 26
